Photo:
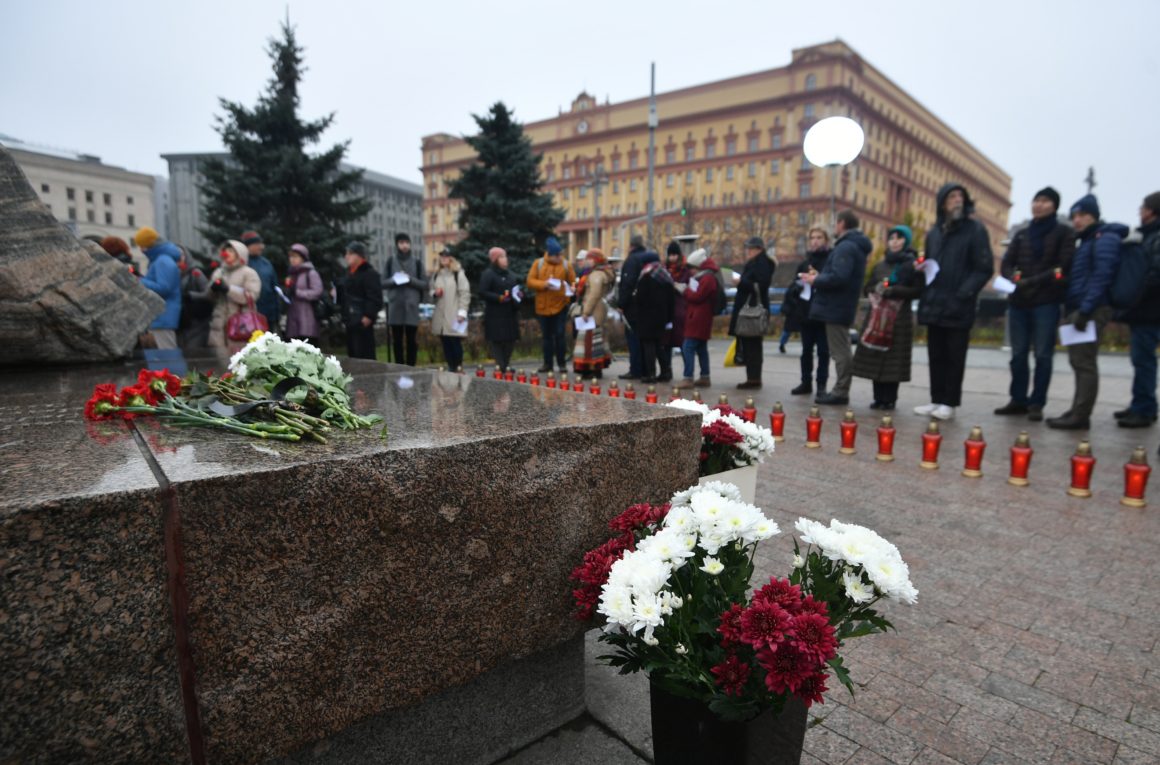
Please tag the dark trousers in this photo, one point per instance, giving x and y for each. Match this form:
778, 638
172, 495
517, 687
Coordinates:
1144, 338
634, 353
398, 333
360, 342
751, 347
1084, 359
838, 337
947, 349
650, 353
452, 351
552, 328
886, 392
814, 335
1032, 329
502, 352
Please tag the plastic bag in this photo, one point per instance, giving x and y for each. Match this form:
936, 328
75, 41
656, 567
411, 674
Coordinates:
731, 354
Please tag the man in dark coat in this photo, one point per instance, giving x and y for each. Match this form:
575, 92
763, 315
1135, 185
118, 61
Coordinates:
637, 258
961, 247
838, 287
753, 288
1143, 319
268, 302
362, 299
1037, 261
813, 333
1093, 268
500, 291
654, 299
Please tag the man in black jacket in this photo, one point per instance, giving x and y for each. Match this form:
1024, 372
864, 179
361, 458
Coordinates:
836, 300
961, 247
1037, 261
813, 333
638, 256
1143, 319
362, 299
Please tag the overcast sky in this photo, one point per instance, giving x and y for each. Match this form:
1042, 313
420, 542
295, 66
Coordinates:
1046, 89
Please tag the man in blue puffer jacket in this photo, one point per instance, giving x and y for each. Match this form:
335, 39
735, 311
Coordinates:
1093, 268
164, 278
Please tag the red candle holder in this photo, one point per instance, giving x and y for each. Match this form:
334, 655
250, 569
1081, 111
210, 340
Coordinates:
535, 378
522, 377
750, 411
564, 384
777, 421
509, 375
551, 383
480, 372
594, 387
613, 390
813, 429
1136, 472
849, 428
886, 433
497, 374
577, 384
1021, 454
722, 400
675, 395
973, 449
651, 395
629, 392
931, 442
696, 395
1082, 465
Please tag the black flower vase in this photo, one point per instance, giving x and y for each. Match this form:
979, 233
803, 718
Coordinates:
686, 732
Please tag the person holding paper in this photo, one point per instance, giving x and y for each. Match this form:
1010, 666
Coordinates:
452, 296
796, 309
406, 285
551, 278
700, 301
961, 247
590, 357
1037, 262
1093, 268
501, 318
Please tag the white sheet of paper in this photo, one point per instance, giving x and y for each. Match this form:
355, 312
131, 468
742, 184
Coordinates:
736, 277
517, 293
459, 326
1069, 336
807, 290
930, 270
568, 291
669, 325
281, 294
693, 283
553, 283
400, 277
1003, 284
582, 325
405, 382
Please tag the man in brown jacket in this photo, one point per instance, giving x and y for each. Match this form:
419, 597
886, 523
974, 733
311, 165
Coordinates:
554, 283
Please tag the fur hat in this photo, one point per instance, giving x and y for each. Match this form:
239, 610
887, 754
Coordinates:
698, 257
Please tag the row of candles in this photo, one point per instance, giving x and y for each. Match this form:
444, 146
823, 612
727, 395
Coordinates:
1136, 470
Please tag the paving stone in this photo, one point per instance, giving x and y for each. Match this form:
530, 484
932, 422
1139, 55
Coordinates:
828, 746
1026, 696
1001, 736
888, 743
1080, 742
935, 735
1126, 733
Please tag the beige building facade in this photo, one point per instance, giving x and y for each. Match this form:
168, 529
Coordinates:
87, 196
729, 161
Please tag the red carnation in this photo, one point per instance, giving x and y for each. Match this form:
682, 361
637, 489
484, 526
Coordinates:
135, 395
812, 688
721, 433
786, 668
781, 592
764, 624
103, 405
160, 382
730, 627
732, 674
814, 637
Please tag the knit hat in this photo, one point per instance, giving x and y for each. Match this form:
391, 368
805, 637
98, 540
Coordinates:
755, 241
301, 250
595, 255
146, 237
904, 231
673, 249
358, 248
251, 237
401, 237
114, 245
1086, 204
553, 246
1152, 202
698, 256
1049, 193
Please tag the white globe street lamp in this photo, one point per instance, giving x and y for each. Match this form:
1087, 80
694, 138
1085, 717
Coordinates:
833, 143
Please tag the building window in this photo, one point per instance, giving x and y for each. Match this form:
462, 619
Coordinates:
132, 220
633, 161
689, 177
71, 194
567, 173
108, 218
753, 141
44, 188
777, 141
690, 153
669, 181
728, 225
731, 147
615, 164
803, 218
616, 187
128, 200
566, 194
804, 189
729, 173
774, 166
809, 110
811, 82
108, 199
777, 193
89, 196
708, 175
551, 174
752, 169
670, 155
710, 150
583, 192
632, 184
599, 168
72, 213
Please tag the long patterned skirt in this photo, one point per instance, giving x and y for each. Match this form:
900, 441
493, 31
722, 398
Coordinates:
589, 354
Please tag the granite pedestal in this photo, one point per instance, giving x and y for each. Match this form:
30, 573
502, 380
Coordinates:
366, 582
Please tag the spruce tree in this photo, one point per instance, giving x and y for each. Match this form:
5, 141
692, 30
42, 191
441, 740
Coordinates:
270, 183
504, 204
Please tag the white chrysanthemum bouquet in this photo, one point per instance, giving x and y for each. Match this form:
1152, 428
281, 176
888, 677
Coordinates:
728, 440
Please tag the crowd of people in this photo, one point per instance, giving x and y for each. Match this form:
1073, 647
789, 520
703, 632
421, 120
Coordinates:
1061, 278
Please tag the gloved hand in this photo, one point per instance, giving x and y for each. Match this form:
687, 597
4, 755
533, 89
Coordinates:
219, 286
1080, 321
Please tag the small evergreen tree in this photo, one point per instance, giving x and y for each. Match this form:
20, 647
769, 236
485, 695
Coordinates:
504, 204
270, 184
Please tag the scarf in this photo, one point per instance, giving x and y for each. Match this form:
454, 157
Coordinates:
1037, 232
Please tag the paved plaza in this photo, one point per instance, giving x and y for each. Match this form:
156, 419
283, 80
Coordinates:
1034, 634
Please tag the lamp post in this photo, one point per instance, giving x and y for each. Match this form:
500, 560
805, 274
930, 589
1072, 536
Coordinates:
833, 142
598, 180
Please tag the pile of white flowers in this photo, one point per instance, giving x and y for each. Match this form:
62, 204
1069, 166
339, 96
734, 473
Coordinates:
758, 441
863, 552
271, 344
705, 518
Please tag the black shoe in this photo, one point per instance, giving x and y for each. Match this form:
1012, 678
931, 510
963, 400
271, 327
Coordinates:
830, 398
1035, 413
887, 406
629, 376
1012, 408
1069, 422
781, 348
749, 385
802, 389
541, 370
1122, 413
666, 377
1135, 421
647, 380
876, 404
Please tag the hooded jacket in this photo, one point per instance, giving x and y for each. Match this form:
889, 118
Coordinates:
164, 278
454, 301
1094, 267
963, 251
1147, 311
244, 286
838, 286
699, 302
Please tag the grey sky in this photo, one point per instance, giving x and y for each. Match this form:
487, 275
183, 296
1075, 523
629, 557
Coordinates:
1043, 88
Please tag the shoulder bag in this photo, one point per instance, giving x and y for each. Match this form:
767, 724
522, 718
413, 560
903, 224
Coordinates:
243, 324
752, 319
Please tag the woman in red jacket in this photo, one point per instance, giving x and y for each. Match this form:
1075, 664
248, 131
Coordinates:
700, 298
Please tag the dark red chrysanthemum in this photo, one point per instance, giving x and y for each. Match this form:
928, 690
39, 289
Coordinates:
639, 516
160, 382
814, 637
732, 674
781, 592
786, 668
811, 606
764, 624
592, 573
725, 409
721, 433
730, 627
811, 689
103, 405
